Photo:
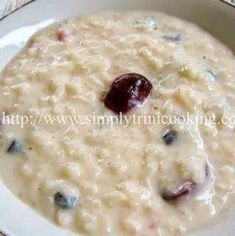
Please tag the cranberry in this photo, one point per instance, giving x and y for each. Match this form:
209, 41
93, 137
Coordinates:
127, 91
212, 74
62, 34
207, 170
187, 188
183, 190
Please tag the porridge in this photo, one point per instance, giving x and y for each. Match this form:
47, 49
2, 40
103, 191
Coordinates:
138, 179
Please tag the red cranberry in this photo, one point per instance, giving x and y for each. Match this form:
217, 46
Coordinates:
62, 34
187, 188
183, 190
127, 91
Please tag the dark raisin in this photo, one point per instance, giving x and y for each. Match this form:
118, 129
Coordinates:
207, 171
15, 147
173, 37
151, 21
65, 201
169, 136
127, 92
212, 74
183, 190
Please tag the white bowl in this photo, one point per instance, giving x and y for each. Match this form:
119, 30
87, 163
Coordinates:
218, 18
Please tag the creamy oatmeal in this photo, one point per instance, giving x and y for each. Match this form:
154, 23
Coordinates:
140, 179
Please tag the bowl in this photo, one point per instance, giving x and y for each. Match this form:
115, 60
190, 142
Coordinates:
216, 17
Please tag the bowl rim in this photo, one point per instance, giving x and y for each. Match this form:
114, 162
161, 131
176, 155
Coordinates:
16, 9
230, 3
2, 20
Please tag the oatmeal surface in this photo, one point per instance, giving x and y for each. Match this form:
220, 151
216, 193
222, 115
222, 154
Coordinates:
138, 179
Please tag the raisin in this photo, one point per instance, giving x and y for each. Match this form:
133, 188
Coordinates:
15, 147
173, 37
65, 201
62, 35
127, 92
169, 136
212, 74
